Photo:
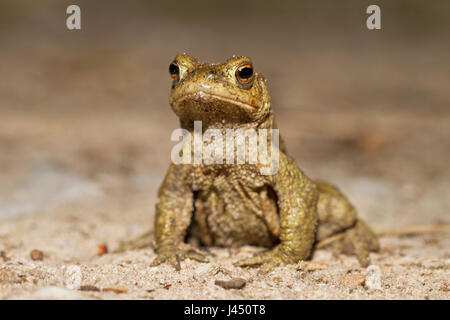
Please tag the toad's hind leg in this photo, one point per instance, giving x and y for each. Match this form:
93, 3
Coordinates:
143, 241
337, 214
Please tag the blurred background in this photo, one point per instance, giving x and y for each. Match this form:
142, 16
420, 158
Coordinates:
84, 114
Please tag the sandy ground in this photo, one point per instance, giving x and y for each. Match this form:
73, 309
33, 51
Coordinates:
85, 141
66, 198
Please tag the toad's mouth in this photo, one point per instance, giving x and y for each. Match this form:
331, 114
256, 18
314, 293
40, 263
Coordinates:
206, 97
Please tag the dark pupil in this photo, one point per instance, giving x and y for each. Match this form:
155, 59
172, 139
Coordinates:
173, 69
245, 73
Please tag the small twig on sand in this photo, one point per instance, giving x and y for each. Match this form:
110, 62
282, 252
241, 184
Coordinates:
415, 230
412, 230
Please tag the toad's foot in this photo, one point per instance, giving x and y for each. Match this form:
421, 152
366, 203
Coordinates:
173, 255
267, 260
358, 240
143, 241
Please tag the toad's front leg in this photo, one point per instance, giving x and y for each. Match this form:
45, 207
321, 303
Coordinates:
173, 215
297, 202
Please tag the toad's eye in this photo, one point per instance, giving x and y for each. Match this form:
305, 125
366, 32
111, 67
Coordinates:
174, 71
245, 74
